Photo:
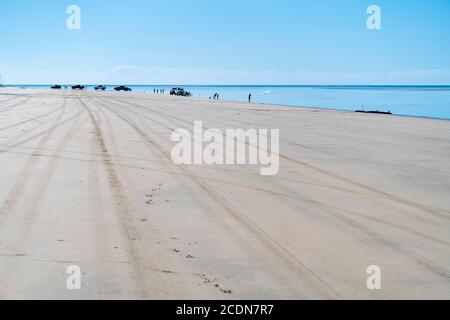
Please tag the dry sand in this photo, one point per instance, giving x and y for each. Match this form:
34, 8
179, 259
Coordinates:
87, 180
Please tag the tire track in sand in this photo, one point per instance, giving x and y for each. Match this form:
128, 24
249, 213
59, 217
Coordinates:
19, 185
121, 203
415, 232
292, 262
150, 256
24, 216
335, 212
28, 120
440, 212
10, 107
37, 135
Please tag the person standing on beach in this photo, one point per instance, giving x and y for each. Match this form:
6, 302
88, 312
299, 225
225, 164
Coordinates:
250, 98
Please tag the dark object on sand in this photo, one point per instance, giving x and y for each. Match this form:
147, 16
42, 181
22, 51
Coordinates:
56, 87
374, 112
180, 92
103, 88
78, 87
379, 112
122, 88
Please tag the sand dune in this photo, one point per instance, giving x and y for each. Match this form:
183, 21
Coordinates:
87, 180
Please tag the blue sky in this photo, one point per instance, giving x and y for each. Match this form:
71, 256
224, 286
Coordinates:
225, 42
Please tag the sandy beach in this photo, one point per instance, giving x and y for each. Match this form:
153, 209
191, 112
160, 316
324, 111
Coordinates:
87, 180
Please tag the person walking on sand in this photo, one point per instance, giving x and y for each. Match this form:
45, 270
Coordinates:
250, 97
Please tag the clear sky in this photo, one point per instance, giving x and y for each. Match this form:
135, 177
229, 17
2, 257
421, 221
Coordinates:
225, 42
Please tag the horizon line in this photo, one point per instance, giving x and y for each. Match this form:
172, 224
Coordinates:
236, 85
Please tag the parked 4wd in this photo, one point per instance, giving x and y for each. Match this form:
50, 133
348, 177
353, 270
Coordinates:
180, 92
122, 88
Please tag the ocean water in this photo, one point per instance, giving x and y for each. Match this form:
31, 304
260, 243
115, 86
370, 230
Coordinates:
422, 101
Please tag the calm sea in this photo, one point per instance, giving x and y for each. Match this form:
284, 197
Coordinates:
423, 101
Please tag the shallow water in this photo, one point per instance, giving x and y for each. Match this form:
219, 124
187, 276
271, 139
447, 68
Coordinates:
424, 101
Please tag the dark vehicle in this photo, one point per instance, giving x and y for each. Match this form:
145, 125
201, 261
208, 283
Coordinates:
122, 88
78, 87
56, 87
103, 88
180, 92
173, 91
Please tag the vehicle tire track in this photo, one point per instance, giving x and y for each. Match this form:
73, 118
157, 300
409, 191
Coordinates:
28, 120
11, 107
22, 220
440, 212
412, 256
23, 217
37, 135
121, 202
26, 172
291, 261
130, 187
428, 237
319, 183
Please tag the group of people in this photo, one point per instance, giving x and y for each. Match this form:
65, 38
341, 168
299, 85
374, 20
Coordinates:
215, 97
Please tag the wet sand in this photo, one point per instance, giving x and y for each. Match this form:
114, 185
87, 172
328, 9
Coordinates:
87, 180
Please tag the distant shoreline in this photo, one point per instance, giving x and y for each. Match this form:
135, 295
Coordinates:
324, 86
41, 87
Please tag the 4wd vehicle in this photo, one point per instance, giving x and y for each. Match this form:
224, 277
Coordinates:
180, 92
122, 88
100, 88
56, 87
78, 87
172, 92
